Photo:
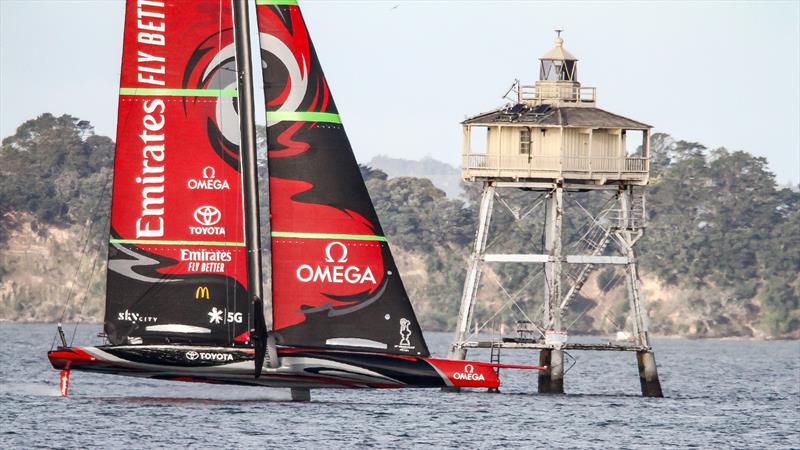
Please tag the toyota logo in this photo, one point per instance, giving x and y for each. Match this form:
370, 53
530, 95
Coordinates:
207, 215
192, 355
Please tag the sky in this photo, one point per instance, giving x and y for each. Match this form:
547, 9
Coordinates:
404, 74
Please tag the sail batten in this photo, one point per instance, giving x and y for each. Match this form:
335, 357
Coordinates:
350, 237
334, 280
301, 116
157, 92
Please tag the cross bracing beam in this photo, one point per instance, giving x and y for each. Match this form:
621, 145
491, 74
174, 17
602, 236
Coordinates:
510, 344
569, 259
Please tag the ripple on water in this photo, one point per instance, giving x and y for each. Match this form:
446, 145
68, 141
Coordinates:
719, 398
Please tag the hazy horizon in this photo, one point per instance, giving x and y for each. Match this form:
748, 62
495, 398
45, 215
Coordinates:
404, 74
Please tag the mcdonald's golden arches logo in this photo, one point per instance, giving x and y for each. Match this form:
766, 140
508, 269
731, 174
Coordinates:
202, 292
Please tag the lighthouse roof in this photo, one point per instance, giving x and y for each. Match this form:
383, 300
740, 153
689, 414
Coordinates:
555, 116
559, 52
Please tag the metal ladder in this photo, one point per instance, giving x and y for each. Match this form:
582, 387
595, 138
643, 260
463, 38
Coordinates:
594, 241
637, 213
494, 358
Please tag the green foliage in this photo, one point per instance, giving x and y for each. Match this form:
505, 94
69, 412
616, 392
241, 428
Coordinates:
57, 169
416, 215
717, 221
368, 173
605, 278
781, 302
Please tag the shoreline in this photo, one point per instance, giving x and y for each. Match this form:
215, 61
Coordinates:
654, 336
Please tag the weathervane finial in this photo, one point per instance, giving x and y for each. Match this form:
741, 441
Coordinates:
559, 41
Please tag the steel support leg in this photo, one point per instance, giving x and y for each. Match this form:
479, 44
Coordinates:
551, 381
648, 374
472, 282
473, 274
628, 235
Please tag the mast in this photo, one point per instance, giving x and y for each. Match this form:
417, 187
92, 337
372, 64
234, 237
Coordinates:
241, 27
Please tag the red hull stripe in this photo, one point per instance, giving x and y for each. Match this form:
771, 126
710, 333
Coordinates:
351, 237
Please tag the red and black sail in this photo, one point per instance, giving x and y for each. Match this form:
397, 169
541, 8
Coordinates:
177, 261
334, 281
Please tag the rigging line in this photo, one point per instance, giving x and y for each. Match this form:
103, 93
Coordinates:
612, 280
105, 223
500, 198
529, 319
480, 327
83, 250
537, 201
579, 316
607, 317
517, 219
85, 296
585, 211
516, 304
574, 361
506, 304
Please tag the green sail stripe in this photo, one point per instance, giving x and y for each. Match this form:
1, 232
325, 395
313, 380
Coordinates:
350, 237
299, 116
276, 2
180, 92
157, 242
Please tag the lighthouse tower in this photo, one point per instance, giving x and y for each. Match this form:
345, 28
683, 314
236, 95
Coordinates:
552, 140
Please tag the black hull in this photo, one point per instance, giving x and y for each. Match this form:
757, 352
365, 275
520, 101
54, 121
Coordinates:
299, 368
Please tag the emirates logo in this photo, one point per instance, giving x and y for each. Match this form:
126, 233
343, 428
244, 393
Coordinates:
207, 215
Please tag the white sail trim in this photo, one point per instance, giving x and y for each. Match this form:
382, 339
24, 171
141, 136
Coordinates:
356, 342
178, 328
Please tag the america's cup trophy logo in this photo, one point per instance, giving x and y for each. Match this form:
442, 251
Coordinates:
405, 335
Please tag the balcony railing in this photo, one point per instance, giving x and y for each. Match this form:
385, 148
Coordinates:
516, 166
561, 93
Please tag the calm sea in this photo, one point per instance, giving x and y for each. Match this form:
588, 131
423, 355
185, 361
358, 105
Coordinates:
719, 394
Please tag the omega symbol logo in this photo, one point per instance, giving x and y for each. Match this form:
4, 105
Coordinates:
207, 215
329, 252
469, 369
192, 355
209, 173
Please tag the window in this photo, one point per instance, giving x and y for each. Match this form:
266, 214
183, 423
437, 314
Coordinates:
525, 141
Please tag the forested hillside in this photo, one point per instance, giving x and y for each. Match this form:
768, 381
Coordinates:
443, 175
721, 256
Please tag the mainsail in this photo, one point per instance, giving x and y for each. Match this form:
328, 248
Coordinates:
334, 281
177, 261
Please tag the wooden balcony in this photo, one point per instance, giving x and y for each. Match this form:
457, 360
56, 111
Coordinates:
598, 170
557, 93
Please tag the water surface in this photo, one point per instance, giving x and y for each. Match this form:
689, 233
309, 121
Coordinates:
719, 394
